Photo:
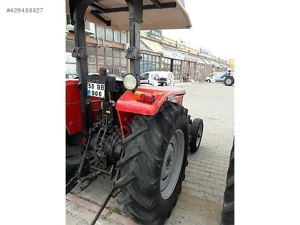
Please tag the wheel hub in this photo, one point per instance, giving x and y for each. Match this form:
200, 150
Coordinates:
172, 164
168, 160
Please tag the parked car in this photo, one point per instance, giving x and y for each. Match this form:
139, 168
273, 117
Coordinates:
216, 77
157, 78
149, 78
210, 78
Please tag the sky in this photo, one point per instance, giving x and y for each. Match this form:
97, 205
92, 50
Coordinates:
212, 26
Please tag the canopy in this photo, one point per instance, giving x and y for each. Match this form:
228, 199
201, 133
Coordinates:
157, 14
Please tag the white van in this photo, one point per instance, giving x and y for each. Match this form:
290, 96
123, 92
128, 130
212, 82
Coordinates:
157, 78
216, 77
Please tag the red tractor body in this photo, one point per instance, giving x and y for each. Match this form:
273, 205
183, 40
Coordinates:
128, 105
73, 107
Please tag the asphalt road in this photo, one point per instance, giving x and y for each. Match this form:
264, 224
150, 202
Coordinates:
200, 202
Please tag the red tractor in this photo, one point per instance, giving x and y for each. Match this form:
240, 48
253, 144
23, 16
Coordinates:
140, 136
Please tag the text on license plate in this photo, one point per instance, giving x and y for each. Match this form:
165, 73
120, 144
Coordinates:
96, 90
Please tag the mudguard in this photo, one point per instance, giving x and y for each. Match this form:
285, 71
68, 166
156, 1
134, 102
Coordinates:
73, 107
128, 107
74, 122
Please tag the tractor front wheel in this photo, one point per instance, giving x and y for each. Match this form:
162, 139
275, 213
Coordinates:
196, 134
153, 168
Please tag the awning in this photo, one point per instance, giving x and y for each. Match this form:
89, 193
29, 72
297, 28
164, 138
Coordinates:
207, 62
211, 62
173, 53
200, 61
144, 47
191, 58
154, 46
171, 15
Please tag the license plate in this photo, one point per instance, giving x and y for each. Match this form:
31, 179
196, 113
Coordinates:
96, 90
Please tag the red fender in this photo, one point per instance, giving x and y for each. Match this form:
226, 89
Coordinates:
73, 107
74, 122
127, 106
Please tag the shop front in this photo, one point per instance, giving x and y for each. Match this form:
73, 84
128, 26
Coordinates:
149, 62
105, 47
172, 61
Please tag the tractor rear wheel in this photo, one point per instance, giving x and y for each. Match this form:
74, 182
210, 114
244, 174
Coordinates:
227, 216
153, 167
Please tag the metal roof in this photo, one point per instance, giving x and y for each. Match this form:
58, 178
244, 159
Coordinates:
173, 16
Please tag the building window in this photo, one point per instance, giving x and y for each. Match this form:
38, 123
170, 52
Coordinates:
87, 25
100, 33
70, 67
123, 37
108, 52
92, 54
112, 58
166, 64
149, 63
92, 69
116, 52
109, 34
117, 61
101, 61
90, 27
108, 61
70, 44
177, 69
108, 57
117, 36
123, 59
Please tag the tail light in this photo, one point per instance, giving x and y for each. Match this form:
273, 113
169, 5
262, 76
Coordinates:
144, 97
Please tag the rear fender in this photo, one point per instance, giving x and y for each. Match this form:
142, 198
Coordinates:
74, 123
128, 107
73, 107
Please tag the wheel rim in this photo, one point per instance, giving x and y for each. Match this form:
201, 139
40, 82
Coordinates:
199, 136
172, 164
228, 81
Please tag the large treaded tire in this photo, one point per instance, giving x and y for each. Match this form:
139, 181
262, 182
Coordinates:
140, 168
197, 125
227, 217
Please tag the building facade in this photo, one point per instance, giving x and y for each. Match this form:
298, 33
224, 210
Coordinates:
107, 47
